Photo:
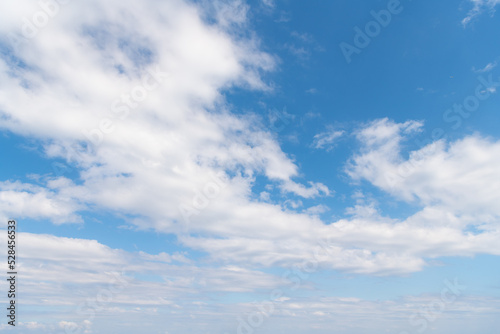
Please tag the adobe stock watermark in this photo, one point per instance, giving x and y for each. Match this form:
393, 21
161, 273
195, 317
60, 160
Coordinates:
248, 323
455, 115
32, 25
96, 304
363, 37
279, 120
462, 111
430, 312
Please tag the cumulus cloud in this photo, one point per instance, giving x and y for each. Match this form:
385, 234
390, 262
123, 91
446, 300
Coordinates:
454, 183
441, 173
138, 110
24, 200
130, 95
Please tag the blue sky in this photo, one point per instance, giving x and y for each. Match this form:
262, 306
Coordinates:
252, 167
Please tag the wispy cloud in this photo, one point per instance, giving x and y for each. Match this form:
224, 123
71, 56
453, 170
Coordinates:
489, 67
298, 51
132, 96
304, 37
326, 140
479, 6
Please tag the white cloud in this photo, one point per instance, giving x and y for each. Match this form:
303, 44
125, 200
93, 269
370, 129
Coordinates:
269, 3
227, 14
315, 189
21, 200
70, 326
326, 140
53, 266
478, 7
182, 147
346, 314
454, 183
130, 286
440, 173
317, 209
180, 160
157, 152
298, 51
489, 67
33, 325
304, 37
